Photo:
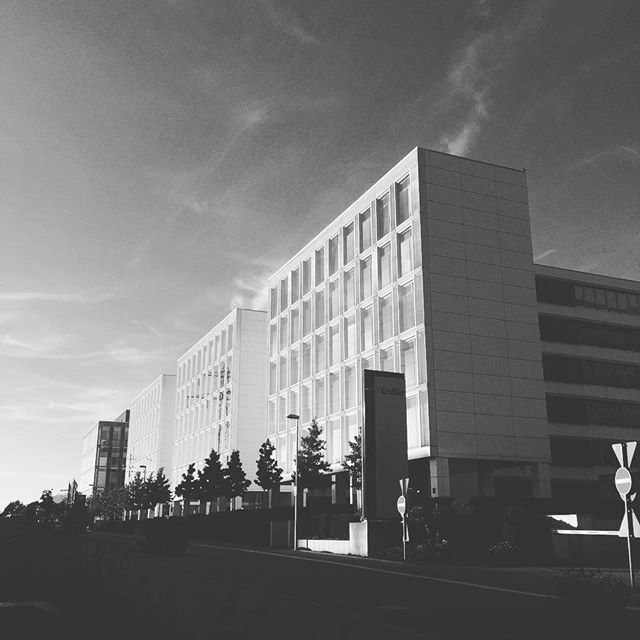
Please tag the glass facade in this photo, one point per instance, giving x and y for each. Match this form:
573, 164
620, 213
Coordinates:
358, 312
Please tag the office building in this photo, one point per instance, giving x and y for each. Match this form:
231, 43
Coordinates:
104, 453
429, 273
151, 425
221, 391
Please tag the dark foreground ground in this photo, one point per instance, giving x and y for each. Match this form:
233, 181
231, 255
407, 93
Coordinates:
99, 587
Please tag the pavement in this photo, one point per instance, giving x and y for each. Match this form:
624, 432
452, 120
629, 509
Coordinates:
225, 591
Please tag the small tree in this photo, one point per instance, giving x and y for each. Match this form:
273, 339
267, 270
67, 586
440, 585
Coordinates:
110, 503
136, 493
14, 508
187, 488
312, 465
211, 478
235, 479
159, 489
269, 474
47, 508
353, 462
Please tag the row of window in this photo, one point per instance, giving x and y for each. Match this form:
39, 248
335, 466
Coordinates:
150, 400
213, 350
206, 384
341, 248
198, 446
580, 452
568, 410
338, 390
566, 293
385, 317
570, 331
585, 371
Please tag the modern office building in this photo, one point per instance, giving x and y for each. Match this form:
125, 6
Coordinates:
429, 273
104, 453
221, 393
151, 426
590, 337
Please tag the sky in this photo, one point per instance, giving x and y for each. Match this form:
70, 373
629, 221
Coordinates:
159, 159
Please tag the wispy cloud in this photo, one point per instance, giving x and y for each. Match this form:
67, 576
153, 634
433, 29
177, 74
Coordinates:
287, 23
250, 292
475, 71
44, 296
544, 254
621, 152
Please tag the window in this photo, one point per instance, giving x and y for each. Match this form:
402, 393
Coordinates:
319, 303
283, 372
405, 261
386, 359
305, 404
284, 294
306, 317
272, 377
366, 283
282, 413
334, 392
333, 254
306, 359
350, 346
306, 277
320, 361
413, 422
274, 306
349, 289
334, 300
319, 265
382, 216
350, 392
295, 285
293, 401
385, 324
334, 344
365, 229
295, 325
348, 237
230, 337
273, 339
283, 333
406, 306
402, 201
293, 372
318, 407
408, 362
335, 440
384, 265
367, 328
367, 363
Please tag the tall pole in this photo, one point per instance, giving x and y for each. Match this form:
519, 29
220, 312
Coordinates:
293, 416
629, 516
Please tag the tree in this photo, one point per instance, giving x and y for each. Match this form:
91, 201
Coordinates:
110, 503
211, 478
269, 474
312, 465
187, 488
47, 508
353, 462
14, 508
159, 489
135, 493
235, 479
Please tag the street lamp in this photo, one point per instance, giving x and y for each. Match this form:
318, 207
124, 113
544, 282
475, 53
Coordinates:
293, 416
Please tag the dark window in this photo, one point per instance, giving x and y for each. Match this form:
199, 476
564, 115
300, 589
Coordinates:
569, 331
584, 371
561, 409
577, 452
555, 291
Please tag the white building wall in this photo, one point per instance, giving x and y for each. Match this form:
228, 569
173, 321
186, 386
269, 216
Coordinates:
221, 384
151, 426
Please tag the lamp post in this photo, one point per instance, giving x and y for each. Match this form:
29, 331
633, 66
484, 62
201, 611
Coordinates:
293, 416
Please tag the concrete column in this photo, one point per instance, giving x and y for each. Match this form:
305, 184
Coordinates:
439, 473
541, 479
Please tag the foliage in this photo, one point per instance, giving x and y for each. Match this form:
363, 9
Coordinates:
269, 474
312, 464
14, 508
110, 503
211, 482
160, 489
188, 486
235, 479
353, 461
48, 509
136, 493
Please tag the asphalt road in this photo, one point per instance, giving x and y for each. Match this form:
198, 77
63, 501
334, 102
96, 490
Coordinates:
223, 592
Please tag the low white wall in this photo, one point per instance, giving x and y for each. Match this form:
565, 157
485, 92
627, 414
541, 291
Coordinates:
332, 546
